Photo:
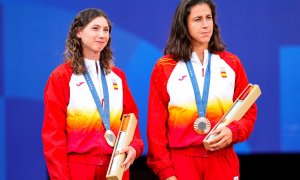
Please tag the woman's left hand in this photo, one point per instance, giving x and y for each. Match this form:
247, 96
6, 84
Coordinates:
222, 139
130, 156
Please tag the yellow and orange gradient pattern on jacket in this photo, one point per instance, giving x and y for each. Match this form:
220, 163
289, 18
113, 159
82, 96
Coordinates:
89, 120
182, 118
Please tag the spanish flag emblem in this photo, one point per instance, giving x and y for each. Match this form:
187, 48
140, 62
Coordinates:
223, 73
115, 85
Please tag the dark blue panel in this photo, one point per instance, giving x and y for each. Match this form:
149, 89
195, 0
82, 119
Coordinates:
2, 141
24, 158
290, 98
1, 52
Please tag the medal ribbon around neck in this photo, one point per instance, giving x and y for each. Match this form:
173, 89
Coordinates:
201, 103
103, 111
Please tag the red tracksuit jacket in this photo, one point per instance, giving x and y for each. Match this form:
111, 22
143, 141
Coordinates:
72, 123
172, 109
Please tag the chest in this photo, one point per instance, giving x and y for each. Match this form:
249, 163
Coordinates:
221, 86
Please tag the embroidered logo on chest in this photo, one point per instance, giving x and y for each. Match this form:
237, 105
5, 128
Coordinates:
223, 73
79, 84
182, 77
115, 84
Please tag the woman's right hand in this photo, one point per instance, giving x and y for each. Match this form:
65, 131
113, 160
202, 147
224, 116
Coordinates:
172, 178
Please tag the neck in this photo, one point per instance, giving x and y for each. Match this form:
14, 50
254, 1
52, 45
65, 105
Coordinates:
92, 56
200, 52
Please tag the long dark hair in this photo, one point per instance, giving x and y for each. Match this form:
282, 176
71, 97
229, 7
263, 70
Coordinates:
74, 52
179, 42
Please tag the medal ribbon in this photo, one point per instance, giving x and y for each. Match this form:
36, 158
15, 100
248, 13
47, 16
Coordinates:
104, 112
201, 103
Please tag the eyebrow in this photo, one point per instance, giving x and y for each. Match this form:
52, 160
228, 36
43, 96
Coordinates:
200, 16
97, 25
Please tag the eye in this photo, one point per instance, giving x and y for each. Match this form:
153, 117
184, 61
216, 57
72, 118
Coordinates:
106, 29
95, 28
197, 19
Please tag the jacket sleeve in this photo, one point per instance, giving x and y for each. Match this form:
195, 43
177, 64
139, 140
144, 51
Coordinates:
242, 129
129, 106
56, 96
158, 158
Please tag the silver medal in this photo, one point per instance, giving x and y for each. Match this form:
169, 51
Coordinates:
110, 138
202, 125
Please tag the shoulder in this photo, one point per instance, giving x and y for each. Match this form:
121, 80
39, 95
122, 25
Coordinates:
119, 72
164, 67
62, 71
228, 56
165, 63
166, 60
231, 59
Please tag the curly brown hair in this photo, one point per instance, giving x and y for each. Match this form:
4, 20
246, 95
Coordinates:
74, 52
179, 44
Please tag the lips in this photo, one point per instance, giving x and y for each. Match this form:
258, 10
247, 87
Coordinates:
100, 42
205, 33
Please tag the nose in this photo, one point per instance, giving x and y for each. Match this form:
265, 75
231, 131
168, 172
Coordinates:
204, 23
101, 33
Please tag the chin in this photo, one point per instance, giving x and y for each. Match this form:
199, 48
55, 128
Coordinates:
99, 49
205, 41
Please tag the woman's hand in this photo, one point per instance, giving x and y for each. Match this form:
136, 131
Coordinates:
172, 178
222, 139
130, 156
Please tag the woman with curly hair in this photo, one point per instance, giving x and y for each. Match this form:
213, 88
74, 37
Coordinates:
84, 100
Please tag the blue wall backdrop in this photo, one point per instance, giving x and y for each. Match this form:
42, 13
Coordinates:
264, 34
